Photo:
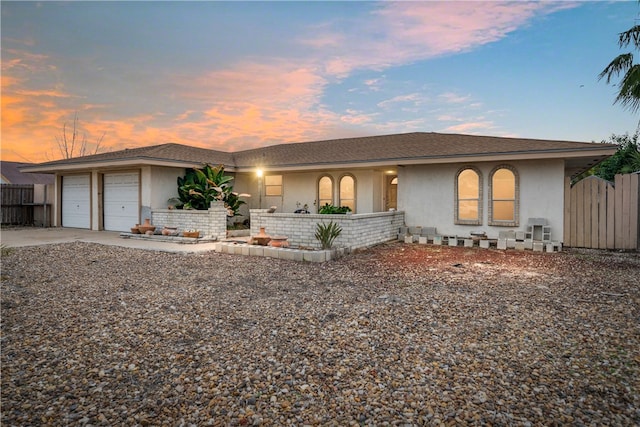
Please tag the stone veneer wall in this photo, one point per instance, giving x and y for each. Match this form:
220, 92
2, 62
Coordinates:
210, 223
358, 230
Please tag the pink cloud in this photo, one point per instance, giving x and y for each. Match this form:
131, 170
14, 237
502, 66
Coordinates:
471, 127
402, 32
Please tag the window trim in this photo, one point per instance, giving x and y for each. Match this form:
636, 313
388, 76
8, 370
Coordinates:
516, 201
333, 189
355, 191
457, 219
281, 186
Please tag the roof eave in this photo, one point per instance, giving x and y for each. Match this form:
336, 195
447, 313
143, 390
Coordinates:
116, 163
454, 158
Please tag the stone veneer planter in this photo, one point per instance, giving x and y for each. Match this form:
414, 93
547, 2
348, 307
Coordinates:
212, 223
291, 254
358, 230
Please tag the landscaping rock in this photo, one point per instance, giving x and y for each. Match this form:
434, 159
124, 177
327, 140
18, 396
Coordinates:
394, 335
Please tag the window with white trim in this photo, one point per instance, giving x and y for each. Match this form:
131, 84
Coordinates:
273, 185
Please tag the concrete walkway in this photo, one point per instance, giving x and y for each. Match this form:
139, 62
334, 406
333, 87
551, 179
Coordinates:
33, 236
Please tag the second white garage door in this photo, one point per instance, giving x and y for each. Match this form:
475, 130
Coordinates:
121, 201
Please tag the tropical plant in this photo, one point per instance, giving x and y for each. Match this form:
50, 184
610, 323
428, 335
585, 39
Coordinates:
331, 209
625, 160
327, 233
629, 87
201, 186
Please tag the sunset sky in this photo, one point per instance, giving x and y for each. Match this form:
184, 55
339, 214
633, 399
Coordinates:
237, 75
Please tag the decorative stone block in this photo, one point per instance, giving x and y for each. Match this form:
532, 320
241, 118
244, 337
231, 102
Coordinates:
520, 235
415, 230
537, 221
287, 254
519, 246
511, 243
437, 240
538, 246
403, 230
408, 239
270, 252
245, 250
428, 231
255, 250
502, 244
468, 243
453, 240
528, 244
314, 256
422, 240
485, 244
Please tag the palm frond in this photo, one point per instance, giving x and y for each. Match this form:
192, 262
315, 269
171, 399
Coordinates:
629, 94
620, 64
632, 35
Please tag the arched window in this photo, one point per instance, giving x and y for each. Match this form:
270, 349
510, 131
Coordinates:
325, 191
468, 187
348, 192
504, 195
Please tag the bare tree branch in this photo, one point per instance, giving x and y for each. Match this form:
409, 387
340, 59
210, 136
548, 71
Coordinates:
74, 146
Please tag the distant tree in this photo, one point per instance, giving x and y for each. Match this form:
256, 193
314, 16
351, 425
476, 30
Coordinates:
71, 144
629, 87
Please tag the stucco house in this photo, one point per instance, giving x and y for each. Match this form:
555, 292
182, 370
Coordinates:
456, 183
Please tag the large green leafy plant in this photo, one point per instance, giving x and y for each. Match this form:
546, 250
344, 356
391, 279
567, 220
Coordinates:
201, 186
328, 209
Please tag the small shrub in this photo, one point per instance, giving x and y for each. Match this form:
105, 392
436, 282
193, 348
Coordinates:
327, 233
5, 250
330, 209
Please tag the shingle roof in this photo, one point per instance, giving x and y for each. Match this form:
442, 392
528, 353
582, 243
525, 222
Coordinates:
386, 148
11, 173
170, 151
418, 145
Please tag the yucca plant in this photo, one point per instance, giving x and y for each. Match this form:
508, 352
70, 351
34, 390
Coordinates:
327, 233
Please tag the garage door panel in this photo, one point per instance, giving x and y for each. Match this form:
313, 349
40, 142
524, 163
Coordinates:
76, 201
121, 201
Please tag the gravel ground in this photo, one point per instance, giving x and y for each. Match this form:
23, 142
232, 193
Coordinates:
395, 335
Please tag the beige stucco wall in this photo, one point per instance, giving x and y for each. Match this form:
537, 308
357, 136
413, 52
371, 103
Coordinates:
302, 188
426, 195
164, 182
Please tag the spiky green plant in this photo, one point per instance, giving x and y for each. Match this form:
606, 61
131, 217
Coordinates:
327, 233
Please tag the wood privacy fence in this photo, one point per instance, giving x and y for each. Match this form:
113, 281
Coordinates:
16, 204
603, 215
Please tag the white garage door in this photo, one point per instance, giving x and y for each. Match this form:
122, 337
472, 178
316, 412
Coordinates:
76, 202
121, 201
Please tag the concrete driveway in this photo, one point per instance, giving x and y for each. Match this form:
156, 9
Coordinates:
33, 236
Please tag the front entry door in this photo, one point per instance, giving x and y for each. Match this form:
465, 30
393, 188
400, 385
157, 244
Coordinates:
391, 201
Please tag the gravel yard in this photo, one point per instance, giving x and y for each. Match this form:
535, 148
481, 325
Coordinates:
395, 335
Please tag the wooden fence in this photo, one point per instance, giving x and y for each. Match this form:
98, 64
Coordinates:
16, 204
603, 215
